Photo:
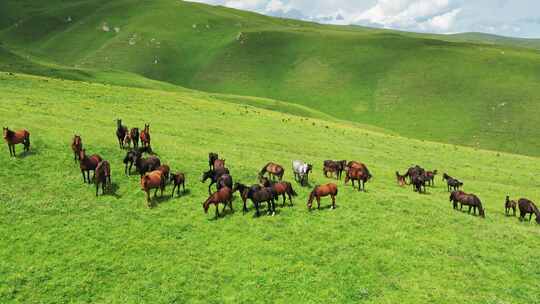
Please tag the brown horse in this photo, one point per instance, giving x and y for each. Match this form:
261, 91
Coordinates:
88, 164
121, 132
320, 191
144, 165
145, 136
103, 176
401, 179
509, 204
334, 167
429, 177
528, 207
273, 170
127, 140
243, 190
178, 179
13, 138
467, 199
219, 163
280, 188
76, 146
222, 196
360, 174
152, 180
134, 135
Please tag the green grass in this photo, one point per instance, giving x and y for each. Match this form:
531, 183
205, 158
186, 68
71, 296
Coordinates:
470, 89
60, 244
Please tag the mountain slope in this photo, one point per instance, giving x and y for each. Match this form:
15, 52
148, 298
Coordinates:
467, 93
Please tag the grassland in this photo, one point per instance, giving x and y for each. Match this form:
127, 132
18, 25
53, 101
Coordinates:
470, 89
60, 244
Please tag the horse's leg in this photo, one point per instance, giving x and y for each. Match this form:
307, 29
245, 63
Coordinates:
97, 188
155, 193
318, 202
257, 208
217, 211
333, 201
174, 187
148, 203
469, 211
530, 215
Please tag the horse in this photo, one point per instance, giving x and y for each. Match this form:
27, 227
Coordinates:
152, 180
127, 140
212, 157
165, 170
361, 175
452, 183
178, 179
13, 138
130, 158
258, 194
400, 179
355, 165
280, 188
301, 171
467, 199
88, 164
134, 135
213, 175
218, 163
320, 191
76, 146
103, 176
333, 166
222, 196
145, 136
418, 182
528, 207
243, 190
414, 171
509, 204
121, 132
273, 170
430, 177
145, 165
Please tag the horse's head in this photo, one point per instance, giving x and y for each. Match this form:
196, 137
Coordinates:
119, 123
5, 132
206, 175
309, 168
206, 205
311, 197
481, 211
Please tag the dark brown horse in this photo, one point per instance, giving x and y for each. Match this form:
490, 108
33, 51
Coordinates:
413, 172
178, 179
280, 188
334, 167
88, 164
243, 190
509, 204
76, 146
401, 179
528, 207
259, 195
103, 176
165, 170
121, 132
145, 136
152, 180
145, 165
130, 158
222, 196
273, 170
13, 138
360, 174
452, 183
321, 191
134, 134
430, 177
212, 157
213, 175
467, 199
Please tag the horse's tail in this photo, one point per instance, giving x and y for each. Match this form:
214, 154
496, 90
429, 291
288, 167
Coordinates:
263, 170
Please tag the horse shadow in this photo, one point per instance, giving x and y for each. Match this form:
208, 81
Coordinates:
26, 154
187, 192
112, 189
156, 201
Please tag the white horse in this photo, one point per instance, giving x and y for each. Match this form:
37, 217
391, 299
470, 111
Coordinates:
301, 171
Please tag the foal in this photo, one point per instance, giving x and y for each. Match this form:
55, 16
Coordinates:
178, 179
76, 146
103, 176
509, 204
13, 138
320, 191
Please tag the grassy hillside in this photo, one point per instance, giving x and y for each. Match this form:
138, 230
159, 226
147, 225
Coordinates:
61, 244
420, 86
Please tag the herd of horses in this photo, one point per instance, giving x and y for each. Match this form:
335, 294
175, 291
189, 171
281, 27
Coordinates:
270, 186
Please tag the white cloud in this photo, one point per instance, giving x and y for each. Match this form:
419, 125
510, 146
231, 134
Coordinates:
277, 6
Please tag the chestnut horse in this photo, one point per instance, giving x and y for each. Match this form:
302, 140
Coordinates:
528, 207
280, 188
88, 164
178, 179
467, 199
509, 204
152, 180
165, 170
76, 146
103, 176
134, 135
320, 191
360, 174
121, 132
145, 136
13, 138
273, 170
222, 196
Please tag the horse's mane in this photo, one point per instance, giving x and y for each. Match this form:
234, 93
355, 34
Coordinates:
263, 169
9, 133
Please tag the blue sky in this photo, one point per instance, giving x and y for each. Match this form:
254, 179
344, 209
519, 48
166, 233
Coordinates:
518, 18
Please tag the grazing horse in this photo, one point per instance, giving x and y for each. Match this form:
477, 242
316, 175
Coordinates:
528, 207
273, 170
258, 194
145, 136
178, 179
280, 188
13, 138
88, 164
467, 199
334, 166
130, 158
361, 175
401, 179
103, 176
218, 163
165, 170
213, 175
320, 191
152, 180
145, 165
509, 204
76, 146
212, 157
222, 196
134, 135
430, 177
452, 183
301, 171
121, 132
